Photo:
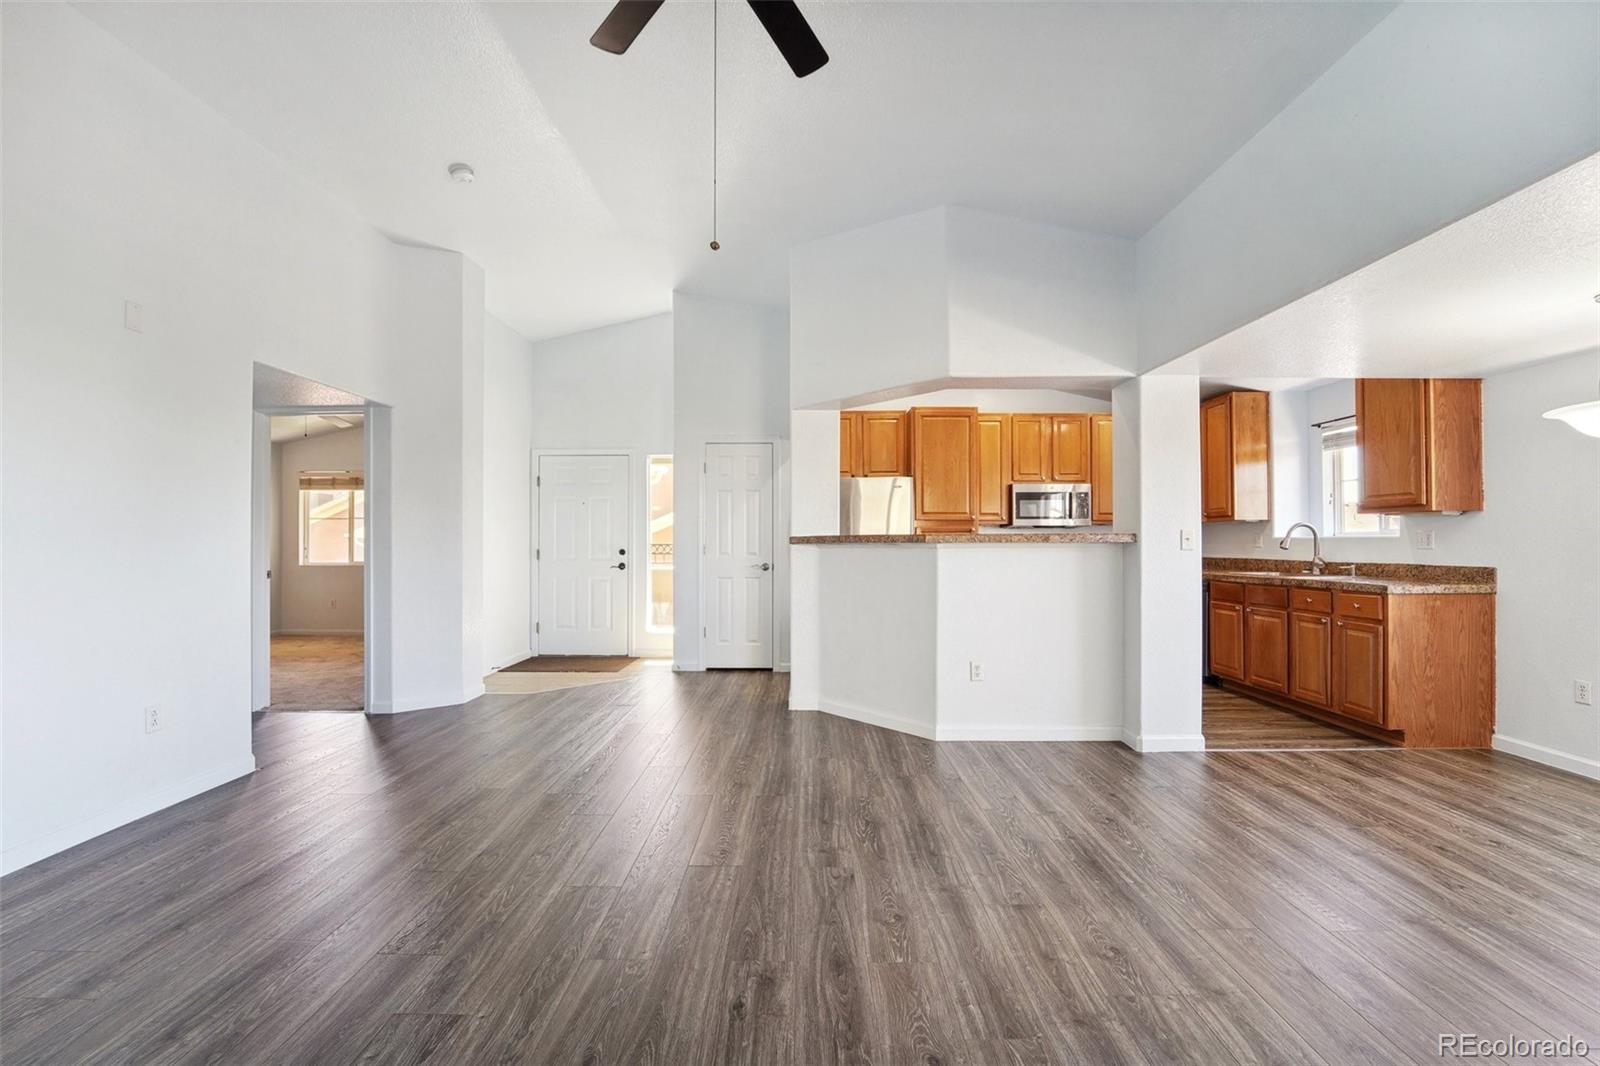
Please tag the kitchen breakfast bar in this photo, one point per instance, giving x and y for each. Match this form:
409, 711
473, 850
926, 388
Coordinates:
1005, 635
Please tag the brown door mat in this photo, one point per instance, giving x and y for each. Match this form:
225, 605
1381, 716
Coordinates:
570, 664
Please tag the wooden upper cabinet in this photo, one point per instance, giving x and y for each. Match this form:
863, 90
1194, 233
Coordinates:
885, 451
1235, 458
944, 464
849, 443
994, 469
1421, 444
1100, 468
1069, 448
1030, 447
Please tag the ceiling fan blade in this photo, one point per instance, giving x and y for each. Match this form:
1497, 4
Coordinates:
792, 34
620, 28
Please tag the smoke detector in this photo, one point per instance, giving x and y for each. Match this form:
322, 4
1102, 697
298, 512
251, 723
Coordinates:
461, 173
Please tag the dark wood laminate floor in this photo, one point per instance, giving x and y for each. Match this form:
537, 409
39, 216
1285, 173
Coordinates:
1234, 722
674, 869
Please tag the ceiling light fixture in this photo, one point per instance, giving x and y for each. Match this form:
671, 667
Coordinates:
461, 173
1583, 417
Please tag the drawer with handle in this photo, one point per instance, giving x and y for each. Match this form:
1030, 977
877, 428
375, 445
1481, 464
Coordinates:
1358, 605
1317, 600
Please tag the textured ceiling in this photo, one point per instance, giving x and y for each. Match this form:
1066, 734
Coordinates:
298, 427
1509, 285
593, 194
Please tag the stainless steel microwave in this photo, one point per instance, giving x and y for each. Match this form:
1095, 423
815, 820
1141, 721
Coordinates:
1050, 504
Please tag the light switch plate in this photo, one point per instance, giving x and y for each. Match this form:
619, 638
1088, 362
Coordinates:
1186, 540
133, 316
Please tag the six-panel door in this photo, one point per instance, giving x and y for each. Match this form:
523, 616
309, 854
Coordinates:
738, 557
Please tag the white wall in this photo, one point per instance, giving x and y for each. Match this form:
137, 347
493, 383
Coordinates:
730, 383
993, 400
1156, 487
869, 309
1026, 298
878, 644
312, 599
1540, 528
1440, 110
611, 389
118, 186
508, 393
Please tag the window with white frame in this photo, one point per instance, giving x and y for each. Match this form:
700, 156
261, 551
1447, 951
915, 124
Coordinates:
332, 518
1341, 487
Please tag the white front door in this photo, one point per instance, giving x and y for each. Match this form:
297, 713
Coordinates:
738, 555
582, 557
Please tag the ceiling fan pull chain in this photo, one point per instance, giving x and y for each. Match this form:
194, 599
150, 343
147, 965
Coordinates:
715, 244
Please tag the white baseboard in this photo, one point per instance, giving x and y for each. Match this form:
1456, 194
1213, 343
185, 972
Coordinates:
1030, 733
512, 661
316, 632
26, 854
687, 668
428, 703
1575, 764
868, 716
1163, 741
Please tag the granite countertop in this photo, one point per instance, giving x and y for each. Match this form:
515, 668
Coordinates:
1061, 536
1376, 578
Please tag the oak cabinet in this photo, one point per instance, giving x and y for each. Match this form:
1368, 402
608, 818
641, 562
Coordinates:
1311, 658
1266, 649
874, 444
1235, 458
1358, 669
1225, 623
994, 469
1100, 468
1030, 447
944, 466
1420, 442
884, 446
1069, 448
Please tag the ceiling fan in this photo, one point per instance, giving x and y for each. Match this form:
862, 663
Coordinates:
781, 19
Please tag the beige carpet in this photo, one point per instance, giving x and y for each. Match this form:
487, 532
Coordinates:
505, 682
317, 674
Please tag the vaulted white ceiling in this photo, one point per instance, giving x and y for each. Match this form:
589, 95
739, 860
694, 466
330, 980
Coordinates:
593, 195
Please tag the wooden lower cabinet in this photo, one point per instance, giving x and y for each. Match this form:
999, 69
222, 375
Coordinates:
1226, 654
1266, 648
1415, 668
1358, 669
1311, 658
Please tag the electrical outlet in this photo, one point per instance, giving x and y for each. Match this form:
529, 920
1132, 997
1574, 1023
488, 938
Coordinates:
333, 605
133, 316
152, 718
1583, 692
1423, 539
975, 671
1261, 539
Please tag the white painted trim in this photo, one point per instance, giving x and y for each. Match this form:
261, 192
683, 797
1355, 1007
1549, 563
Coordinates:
316, 632
877, 718
1030, 733
687, 668
1164, 742
1522, 749
15, 858
512, 660
435, 702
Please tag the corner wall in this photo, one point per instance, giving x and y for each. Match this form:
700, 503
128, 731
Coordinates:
507, 495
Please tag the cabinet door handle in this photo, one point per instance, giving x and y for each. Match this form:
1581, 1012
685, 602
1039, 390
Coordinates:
1338, 623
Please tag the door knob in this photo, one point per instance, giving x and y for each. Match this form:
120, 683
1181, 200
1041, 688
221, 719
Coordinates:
761, 566
619, 566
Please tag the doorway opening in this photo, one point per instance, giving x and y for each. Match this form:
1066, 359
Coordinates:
317, 552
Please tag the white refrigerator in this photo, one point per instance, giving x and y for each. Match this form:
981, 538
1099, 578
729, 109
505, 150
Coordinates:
874, 505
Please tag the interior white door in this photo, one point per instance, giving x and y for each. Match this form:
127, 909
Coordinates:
583, 554
738, 558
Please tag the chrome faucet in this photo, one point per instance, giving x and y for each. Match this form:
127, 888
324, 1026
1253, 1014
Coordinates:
1318, 563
